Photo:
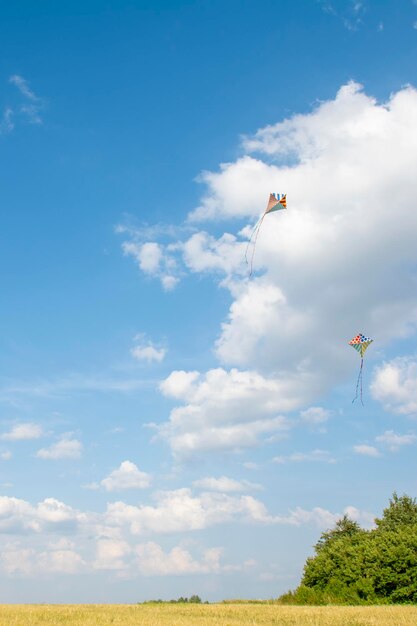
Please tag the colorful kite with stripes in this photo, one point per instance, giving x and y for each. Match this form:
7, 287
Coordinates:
276, 203
360, 343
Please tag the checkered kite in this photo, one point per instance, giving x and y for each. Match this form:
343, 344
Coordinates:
276, 203
360, 343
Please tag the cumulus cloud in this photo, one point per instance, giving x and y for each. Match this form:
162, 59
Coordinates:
312, 280
127, 476
85, 541
315, 415
65, 448
325, 269
225, 484
366, 450
27, 430
204, 253
153, 561
110, 554
389, 440
145, 350
148, 353
29, 562
224, 410
180, 511
395, 441
154, 260
17, 515
395, 385
323, 518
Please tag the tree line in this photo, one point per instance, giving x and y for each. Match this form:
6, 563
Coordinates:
352, 565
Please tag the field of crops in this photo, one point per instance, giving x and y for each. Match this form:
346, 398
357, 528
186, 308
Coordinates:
205, 615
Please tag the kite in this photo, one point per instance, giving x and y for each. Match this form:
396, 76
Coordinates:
276, 203
360, 343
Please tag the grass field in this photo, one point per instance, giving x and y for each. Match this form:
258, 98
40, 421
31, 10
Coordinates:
207, 615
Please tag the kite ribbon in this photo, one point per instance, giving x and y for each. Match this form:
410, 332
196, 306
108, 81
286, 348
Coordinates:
255, 234
359, 381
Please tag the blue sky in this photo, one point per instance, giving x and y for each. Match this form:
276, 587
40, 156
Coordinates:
170, 425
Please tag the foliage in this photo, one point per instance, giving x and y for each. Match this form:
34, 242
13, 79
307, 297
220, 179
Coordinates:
345, 527
402, 511
356, 566
192, 600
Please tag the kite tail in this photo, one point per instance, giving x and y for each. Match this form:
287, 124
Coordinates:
359, 382
253, 236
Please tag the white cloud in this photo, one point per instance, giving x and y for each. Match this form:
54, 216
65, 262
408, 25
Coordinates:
127, 476
19, 516
23, 87
24, 431
154, 260
224, 410
313, 278
60, 561
110, 554
179, 384
315, 415
169, 282
349, 13
204, 253
290, 326
366, 450
153, 561
33, 106
225, 484
395, 385
144, 350
53, 511
149, 257
52, 537
29, 562
259, 307
300, 457
324, 519
394, 441
66, 448
303, 310
181, 511
6, 455
6, 121
91, 486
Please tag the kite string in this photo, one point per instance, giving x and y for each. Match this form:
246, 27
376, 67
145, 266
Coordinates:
359, 381
250, 238
255, 233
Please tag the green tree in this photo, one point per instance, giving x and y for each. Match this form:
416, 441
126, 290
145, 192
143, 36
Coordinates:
402, 511
345, 527
355, 566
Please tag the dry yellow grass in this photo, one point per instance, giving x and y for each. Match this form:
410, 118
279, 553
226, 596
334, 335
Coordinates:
205, 615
